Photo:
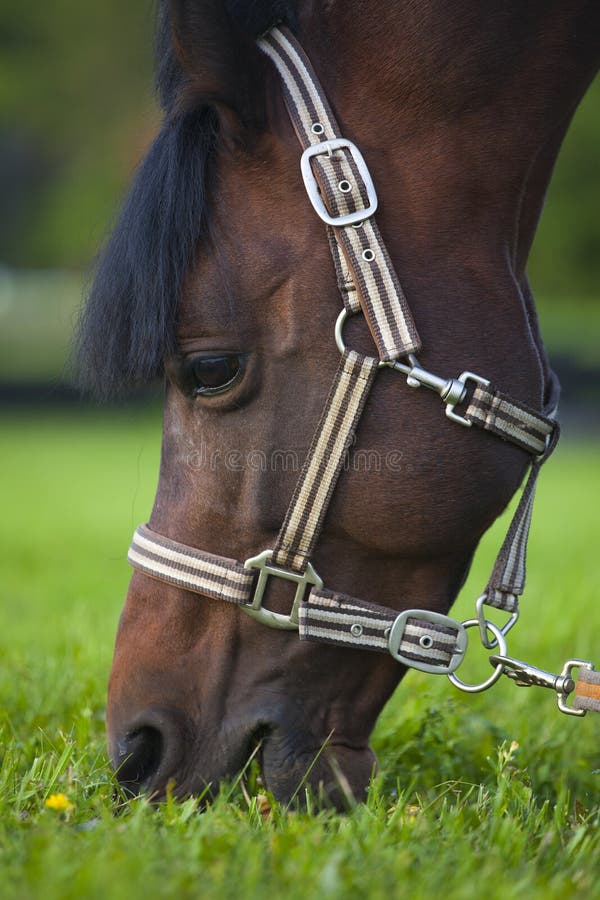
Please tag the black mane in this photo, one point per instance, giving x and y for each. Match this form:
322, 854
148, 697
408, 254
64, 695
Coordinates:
127, 325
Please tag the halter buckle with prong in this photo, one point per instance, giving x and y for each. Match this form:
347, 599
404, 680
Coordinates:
312, 188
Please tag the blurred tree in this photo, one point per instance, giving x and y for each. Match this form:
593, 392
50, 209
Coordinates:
565, 261
77, 112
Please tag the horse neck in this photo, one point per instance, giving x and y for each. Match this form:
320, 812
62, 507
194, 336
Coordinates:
461, 108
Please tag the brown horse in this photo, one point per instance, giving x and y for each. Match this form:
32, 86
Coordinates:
219, 275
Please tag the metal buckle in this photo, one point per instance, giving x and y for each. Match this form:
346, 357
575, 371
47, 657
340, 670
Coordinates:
397, 632
273, 619
312, 188
464, 377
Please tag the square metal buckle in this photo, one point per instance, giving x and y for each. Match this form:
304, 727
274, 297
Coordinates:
397, 633
312, 188
273, 619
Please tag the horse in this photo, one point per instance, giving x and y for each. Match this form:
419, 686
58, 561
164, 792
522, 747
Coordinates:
218, 277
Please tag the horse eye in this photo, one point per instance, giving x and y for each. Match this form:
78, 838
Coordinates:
210, 375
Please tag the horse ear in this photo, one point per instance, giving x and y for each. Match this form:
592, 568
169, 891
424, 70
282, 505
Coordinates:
219, 62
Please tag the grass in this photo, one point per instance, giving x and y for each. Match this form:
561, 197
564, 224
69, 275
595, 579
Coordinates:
493, 795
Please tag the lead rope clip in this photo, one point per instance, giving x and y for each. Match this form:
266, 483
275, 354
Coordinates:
526, 675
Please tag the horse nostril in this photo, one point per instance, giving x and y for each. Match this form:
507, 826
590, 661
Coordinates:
150, 750
139, 757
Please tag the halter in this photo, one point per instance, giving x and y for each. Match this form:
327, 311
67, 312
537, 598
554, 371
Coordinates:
341, 191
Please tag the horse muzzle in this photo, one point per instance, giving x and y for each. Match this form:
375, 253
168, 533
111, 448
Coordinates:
161, 750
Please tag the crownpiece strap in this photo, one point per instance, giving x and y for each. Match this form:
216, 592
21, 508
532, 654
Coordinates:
340, 189
509, 419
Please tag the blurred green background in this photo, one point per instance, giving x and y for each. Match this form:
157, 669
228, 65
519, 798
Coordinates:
76, 114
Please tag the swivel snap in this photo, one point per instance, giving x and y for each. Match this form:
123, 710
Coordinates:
525, 675
450, 390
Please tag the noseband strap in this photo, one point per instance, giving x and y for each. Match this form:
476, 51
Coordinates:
418, 638
203, 573
341, 191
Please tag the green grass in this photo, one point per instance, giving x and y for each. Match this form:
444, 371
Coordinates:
459, 810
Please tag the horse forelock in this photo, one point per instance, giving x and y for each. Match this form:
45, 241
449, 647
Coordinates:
128, 323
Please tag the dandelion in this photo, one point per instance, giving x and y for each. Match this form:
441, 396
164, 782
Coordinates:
263, 805
59, 803
412, 810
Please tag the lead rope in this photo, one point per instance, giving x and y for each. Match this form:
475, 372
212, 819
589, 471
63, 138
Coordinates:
341, 191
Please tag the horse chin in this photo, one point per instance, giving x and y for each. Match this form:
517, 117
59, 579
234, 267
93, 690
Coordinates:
336, 774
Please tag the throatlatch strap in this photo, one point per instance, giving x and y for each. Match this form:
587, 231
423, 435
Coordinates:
587, 690
507, 581
493, 411
202, 573
333, 437
336, 618
359, 248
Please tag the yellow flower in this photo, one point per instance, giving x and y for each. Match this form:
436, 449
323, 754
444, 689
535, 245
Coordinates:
59, 803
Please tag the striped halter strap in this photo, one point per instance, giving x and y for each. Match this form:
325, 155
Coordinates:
342, 194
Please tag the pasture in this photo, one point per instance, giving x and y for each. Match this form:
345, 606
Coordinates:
494, 795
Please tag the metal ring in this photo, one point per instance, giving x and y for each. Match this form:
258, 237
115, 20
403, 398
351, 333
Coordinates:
339, 327
484, 685
317, 128
368, 255
483, 623
339, 338
344, 186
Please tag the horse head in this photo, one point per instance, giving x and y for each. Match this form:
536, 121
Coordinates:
219, 276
